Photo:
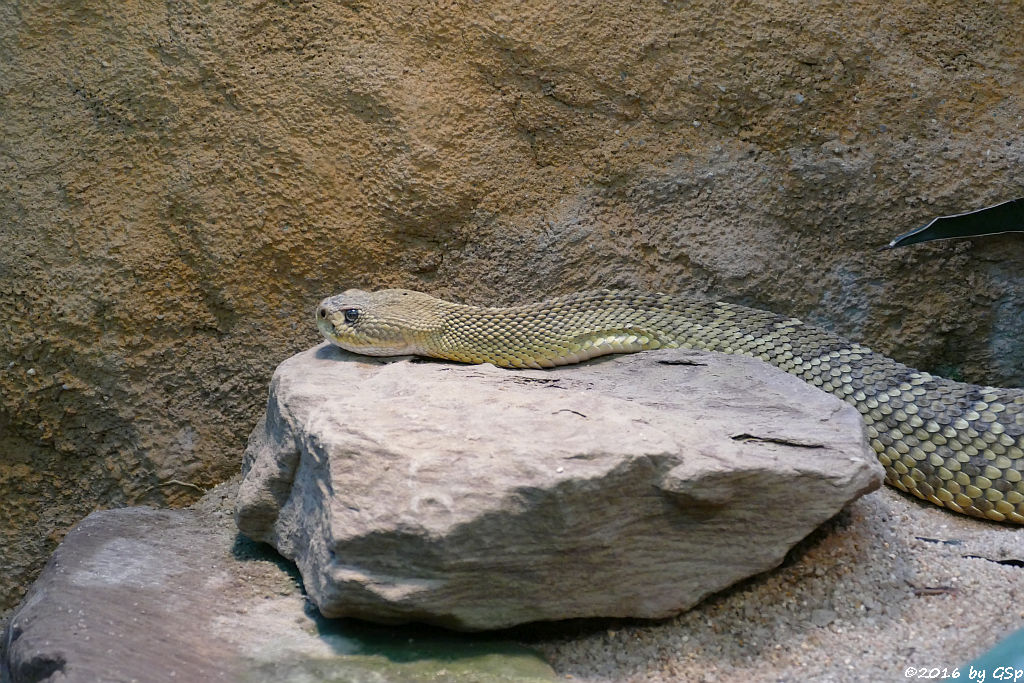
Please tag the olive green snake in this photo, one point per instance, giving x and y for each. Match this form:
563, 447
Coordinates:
957, 445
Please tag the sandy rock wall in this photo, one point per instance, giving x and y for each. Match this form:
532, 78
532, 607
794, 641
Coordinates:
181, 183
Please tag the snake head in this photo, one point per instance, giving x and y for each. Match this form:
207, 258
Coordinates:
388, 322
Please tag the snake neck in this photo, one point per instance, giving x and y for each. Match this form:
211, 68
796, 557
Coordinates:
580, 326
559, 331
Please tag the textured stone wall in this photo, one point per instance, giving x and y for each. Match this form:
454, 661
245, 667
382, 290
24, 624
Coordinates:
181, 182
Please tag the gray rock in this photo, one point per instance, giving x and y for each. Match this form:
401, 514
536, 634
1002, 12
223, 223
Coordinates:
477, 498
139, 594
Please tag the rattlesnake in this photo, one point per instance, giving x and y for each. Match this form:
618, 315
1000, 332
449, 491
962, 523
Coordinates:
958, 445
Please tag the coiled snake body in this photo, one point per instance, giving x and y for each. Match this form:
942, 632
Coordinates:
958, 445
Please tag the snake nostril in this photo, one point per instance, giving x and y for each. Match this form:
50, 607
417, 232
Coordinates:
322, 313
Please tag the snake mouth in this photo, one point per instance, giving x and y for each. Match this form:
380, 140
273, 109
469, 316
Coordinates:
326, 328
327, 322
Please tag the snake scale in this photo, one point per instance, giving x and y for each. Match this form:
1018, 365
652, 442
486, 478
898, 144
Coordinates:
957, 445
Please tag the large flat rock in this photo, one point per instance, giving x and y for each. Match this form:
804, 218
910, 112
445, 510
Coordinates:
149, 595
477, 498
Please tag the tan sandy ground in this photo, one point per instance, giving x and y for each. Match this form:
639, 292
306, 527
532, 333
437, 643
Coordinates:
888, 584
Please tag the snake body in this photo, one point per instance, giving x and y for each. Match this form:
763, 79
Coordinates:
957, 445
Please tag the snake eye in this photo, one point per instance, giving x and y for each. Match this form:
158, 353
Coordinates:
351, 315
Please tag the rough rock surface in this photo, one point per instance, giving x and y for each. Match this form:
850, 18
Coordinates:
181, 182
139, 594
478, 498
